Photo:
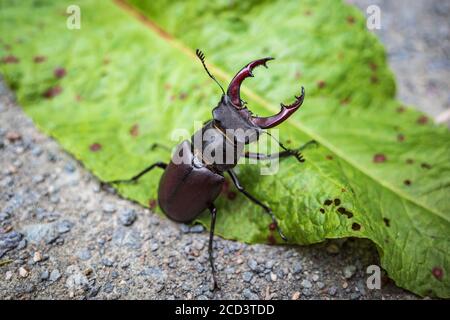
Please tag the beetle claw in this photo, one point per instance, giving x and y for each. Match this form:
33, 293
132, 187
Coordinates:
285, 112
235, 85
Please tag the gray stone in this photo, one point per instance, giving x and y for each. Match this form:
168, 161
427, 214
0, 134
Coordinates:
55, 275
44, 275
9, 241
332, 291
84, 254
306, 284
349, 271
297, 268
127, 217
64, 226
107, 262
250, 295
108, 208
252, 264
247, 276
198, 228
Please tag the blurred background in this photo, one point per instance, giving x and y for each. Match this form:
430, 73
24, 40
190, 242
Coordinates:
416, 35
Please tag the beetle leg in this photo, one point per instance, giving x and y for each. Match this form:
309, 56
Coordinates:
213, 211
284, 154
256, 201
135, 178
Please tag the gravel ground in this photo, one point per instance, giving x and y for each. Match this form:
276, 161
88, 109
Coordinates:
63, 236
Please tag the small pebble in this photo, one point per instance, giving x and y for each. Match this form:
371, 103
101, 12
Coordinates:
64, 226
55, 275
306, 284
198, 228
84, 254
247, 276
349, 271
37, 256
297, 268
332, 291
8, 275
154, 246
44, 275
108, 208
127, 217
107, 262
252, 264
273, 276
23, 272
315, 277
38, 179
250, 295
296, 295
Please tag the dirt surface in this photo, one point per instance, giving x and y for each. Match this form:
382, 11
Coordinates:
64, 236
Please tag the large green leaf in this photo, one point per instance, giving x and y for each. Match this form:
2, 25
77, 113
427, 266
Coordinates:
129, 84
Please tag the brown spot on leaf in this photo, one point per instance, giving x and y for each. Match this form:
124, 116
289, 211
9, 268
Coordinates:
167, 86
401, 109
400, 137
308, 12
225, 186
328, 202
348, 214
134, 130
106, 61
422, 120
425, 165
438, 273
350, 20
409, 161
407, 182
231, 195
272, 226
343, 190
337, 202
39, 59
152, 204
298, 75
183, 95
10, 59
322, 210
374, 79
329, 157
341, 210
379, 158
52, 92
321, 84
373, 66
95, 147
271, 239
59, 72
387, 222
78, 98
356, 226
345, 101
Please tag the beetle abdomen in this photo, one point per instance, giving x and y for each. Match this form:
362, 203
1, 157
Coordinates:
187, 187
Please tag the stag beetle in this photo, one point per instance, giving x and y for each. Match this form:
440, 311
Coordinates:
193, 179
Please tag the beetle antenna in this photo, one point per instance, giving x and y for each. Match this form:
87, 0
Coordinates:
201, 56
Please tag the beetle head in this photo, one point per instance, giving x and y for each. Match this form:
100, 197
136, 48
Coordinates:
231, 112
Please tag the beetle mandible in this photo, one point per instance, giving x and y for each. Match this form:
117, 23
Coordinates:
193, 179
